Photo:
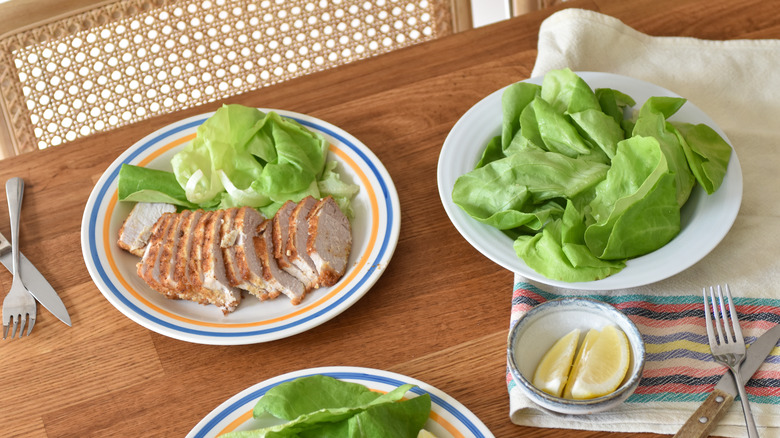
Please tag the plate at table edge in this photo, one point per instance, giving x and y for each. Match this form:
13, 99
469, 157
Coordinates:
375, 230
449, 418
705, 219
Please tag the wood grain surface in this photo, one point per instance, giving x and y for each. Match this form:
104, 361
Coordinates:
439, 313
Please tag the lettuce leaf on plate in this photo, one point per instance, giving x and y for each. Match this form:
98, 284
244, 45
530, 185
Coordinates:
141, 184
321, 406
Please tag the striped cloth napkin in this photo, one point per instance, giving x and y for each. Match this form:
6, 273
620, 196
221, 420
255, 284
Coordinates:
736, 83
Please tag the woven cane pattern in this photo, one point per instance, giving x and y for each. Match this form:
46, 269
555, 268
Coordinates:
127, 61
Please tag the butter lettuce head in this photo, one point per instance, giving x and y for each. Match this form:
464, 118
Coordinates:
242, 156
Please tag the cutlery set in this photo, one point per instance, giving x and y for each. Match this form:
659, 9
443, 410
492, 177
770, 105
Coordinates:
19, 305
728, 347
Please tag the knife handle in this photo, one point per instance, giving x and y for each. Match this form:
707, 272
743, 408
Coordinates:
706, 417
14, 189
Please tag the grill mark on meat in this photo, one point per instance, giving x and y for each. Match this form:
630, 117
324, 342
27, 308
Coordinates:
162, 274
149, 267
195, 261
180, 277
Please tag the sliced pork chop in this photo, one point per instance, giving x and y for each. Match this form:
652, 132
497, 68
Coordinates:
330, 241
281, 226
275, 278
137, 227
149, 266
249, 268
179, 279
167, 251
298, 234
195, 257
214, 277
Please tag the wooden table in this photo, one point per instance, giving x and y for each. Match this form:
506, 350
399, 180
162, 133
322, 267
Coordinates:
439, 313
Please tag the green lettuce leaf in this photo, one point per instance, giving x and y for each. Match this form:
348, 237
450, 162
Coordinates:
506, 192
635, 209
652, 123
559, 252
621, 174
141, 184
614, 103
514, 100
255, 158
568, 93
707, 152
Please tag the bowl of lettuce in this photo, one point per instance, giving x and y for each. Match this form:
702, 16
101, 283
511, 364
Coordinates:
589, 180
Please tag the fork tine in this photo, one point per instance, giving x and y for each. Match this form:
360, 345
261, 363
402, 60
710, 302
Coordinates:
725, 318
15, 319
734, 317
716, 317
30, 324
22, 322
5, 331
708, 318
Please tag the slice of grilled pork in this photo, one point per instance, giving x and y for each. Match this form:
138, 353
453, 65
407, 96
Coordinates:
137, 228
275, 277
281, 227
215, 280
298, 234
329, 242
244, 268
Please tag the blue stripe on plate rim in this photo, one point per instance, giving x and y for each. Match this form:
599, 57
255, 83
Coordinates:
115, 290
341, 375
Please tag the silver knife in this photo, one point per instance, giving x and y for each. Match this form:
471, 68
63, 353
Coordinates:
35, 282
706, 417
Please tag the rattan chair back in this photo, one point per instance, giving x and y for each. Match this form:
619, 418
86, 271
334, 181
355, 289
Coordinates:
122, 62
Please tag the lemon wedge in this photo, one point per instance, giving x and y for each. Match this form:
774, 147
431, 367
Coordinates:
425, 434
601, 364
587, 343
552, 373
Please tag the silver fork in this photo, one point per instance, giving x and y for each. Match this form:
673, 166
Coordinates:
727, 348
19, 305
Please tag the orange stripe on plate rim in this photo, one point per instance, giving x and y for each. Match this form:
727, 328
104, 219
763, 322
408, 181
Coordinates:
107, 242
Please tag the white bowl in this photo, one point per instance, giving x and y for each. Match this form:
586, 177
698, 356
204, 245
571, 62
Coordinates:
536, 331
705, 219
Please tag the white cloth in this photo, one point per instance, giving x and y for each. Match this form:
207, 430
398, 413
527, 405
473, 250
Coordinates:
737, 84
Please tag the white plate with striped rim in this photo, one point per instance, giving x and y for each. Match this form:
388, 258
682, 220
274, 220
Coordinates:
375, 230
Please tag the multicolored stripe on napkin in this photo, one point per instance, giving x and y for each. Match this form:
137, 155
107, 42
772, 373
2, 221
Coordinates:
678, 367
